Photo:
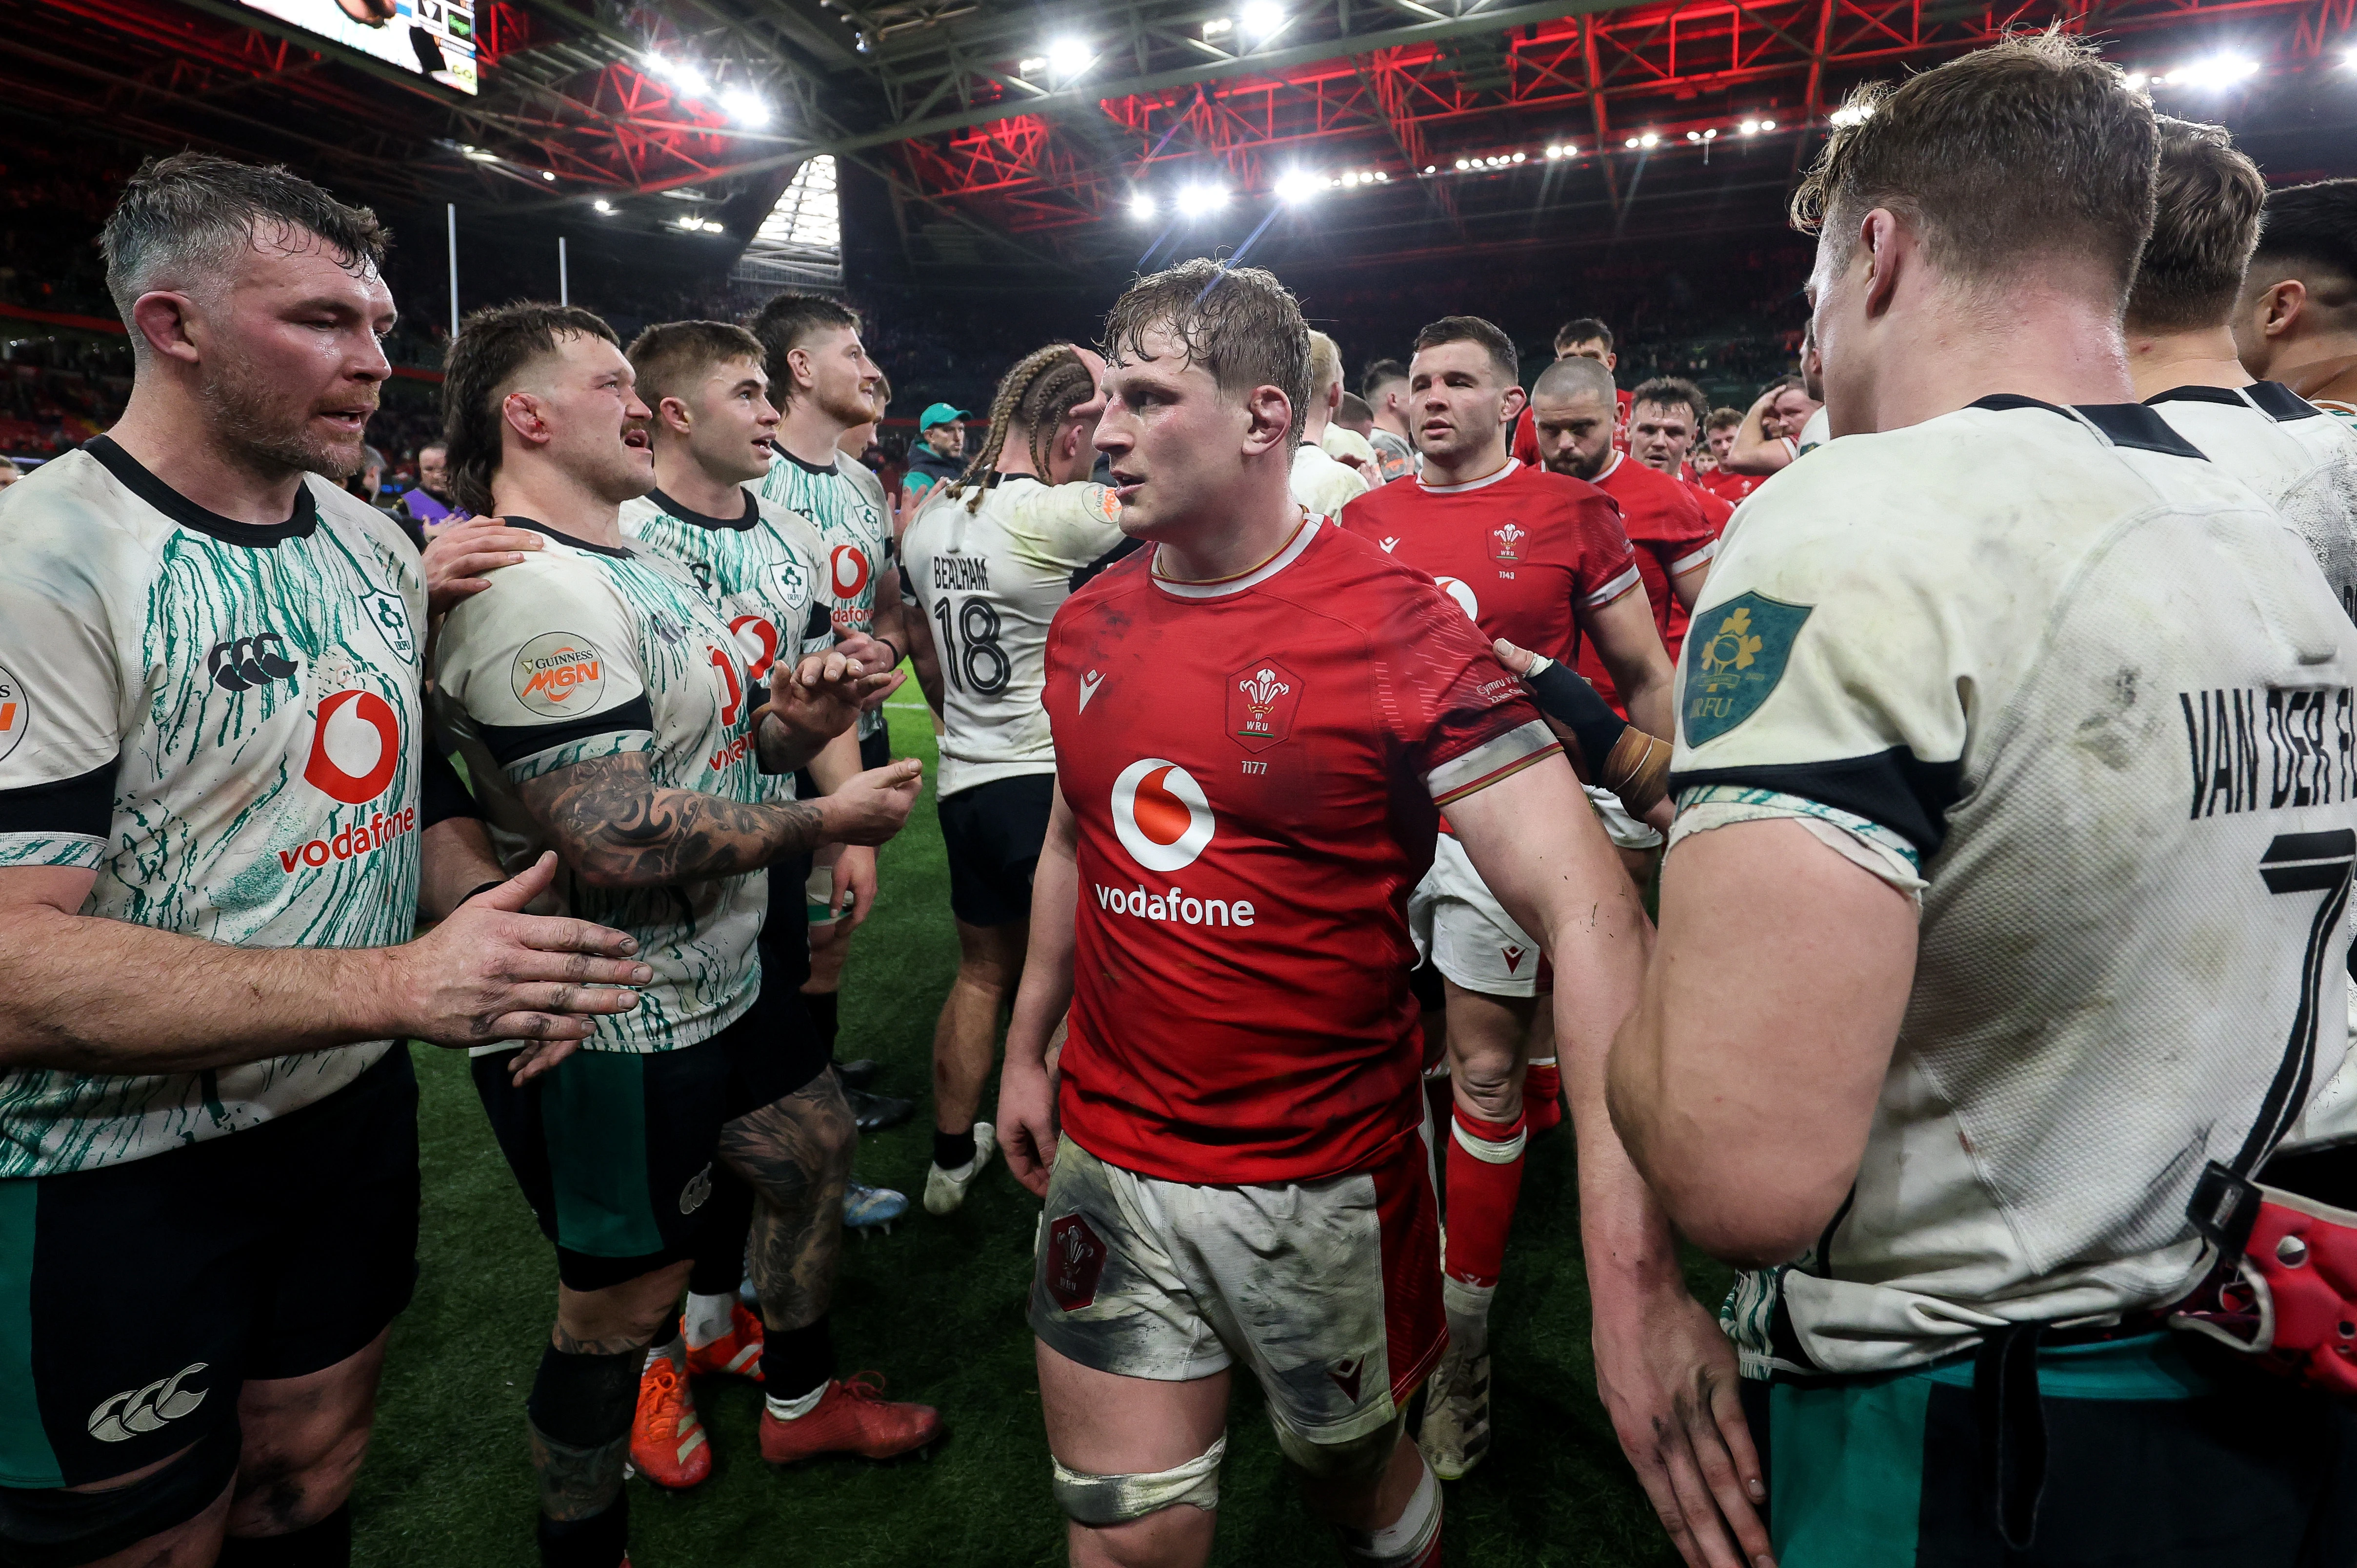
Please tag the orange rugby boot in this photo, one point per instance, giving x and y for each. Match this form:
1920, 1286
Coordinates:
852, 1417
736, 1353
667, 1440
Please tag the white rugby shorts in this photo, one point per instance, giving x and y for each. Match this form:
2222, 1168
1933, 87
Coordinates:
1467, 935
1328, 1290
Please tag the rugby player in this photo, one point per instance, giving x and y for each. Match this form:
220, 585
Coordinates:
220, 826
822, 380
1571, 407
1584, 339
1720, 431
1782, 422
1240, 1174
603, 706
1955, 997
1384, 386
1323, 484
2181, 351
988, 564
712, 431
2296, 320
1537, 559
1666, 415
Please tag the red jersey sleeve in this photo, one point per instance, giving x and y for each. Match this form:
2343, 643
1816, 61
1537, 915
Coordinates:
1526, 439
1608, 563
1459, 720
1690, 537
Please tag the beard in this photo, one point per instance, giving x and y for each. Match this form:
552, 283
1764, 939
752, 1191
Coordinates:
847, 407
254, 421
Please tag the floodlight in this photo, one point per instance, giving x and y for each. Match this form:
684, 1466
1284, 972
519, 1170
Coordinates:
744, 106
1196, 200
1142, 208
1069, 56
602, 206
1260, 18
1300, 185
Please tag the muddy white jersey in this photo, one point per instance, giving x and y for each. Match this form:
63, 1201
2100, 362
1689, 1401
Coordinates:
2291, 452
845, 503
761, 568
221, 721
584, 652
988, 579
2093, 704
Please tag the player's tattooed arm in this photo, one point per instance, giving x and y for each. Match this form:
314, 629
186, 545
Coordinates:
616, 827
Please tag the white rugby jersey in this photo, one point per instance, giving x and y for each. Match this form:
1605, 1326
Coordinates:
2093, 701
222, 721
845, 503
2294, 454
989, 581
1323, 484
582, 651
761, 567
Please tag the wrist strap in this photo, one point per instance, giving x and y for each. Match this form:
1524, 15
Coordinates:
897, 655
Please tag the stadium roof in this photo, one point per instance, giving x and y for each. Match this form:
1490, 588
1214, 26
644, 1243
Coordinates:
1068, 135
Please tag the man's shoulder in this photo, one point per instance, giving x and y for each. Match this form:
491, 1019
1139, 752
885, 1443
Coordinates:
73, 506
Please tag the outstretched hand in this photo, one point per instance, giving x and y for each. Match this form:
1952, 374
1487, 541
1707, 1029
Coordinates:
491, 973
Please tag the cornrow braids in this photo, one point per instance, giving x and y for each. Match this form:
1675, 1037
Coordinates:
1045, 385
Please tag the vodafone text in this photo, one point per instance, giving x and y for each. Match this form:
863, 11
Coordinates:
1174, 904
360, 838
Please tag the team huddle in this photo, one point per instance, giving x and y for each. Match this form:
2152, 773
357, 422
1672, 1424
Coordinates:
1302, 796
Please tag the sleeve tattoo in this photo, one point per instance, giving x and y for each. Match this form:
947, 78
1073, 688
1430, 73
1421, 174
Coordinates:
617, 827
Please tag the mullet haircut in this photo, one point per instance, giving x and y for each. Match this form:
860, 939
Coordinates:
2019, 153
493, 347
1587, 329
192, 213
1668, 391
2312, 226
1238, 323
670, 358
1473, 329
1034, 397
2206, 220
785, 324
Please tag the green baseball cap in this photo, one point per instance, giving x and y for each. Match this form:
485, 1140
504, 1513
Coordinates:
940, 414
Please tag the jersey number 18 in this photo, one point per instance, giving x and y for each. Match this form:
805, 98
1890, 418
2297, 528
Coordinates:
981, 666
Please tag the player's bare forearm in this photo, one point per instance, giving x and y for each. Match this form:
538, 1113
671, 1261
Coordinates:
1686, 586
779, 749
837, 762
454, 859
615, 827
1540, 850
890, 619
1629, 644
81, 994
1744, 1084
1755, 451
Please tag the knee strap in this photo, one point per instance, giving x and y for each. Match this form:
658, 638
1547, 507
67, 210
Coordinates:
1353, 1458
63, 1530
1115, 1499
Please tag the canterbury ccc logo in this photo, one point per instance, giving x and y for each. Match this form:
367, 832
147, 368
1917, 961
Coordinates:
249, 661
847, 566
355, 745
1160, 815
123, 1416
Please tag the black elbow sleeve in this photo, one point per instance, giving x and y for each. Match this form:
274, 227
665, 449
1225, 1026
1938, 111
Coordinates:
1565, 696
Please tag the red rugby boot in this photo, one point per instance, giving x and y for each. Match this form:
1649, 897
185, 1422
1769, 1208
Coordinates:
852, 1417
667, 1439
736, 1353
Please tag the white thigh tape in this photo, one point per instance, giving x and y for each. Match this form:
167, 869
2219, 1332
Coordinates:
1115, 1499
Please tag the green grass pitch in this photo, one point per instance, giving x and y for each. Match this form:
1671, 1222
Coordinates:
938, 1308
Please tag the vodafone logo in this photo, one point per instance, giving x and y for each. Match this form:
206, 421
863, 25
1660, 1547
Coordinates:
758, 638
847, 569
1160, 815
16, 714
355, 745
1456, 589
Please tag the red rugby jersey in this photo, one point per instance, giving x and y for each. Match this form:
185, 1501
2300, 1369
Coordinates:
1525, 444
1729, 488
1671, 534
1255, 770
1517, 551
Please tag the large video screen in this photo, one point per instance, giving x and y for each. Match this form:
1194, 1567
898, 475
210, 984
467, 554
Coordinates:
435, 39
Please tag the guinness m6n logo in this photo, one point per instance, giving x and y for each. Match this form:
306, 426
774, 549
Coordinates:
558, 673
